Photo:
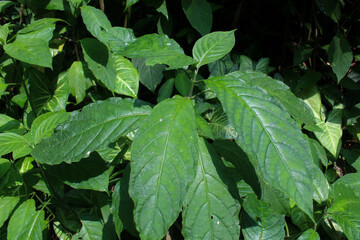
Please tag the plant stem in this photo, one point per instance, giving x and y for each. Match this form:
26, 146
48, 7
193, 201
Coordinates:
102, 5
193, 83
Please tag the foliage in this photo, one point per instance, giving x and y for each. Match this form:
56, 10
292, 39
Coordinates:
151, 128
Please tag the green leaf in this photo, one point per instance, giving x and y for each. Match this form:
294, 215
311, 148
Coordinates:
100, 61
346, 207
118, 38
39, 29
182, 84
8, 123
246, 64
330, 8
7, 205
61, 94
263, 134
166, 90
199, 14
210, 212
295, 106
94, 127
302, 54
95, 20
129, 3
259, 221
263, 65
321, 185
212, 47
318, 152
46, 127
4, 166
150, 76
158, 49
10, 142
340, 55
203, 127
309, 234
115, 208
127, 77
41, 90
92, 229
164, 156
30, 51
89, 173
312, 98
4, 33
5, 4
30, 220
78, 82
220, 125
330, 137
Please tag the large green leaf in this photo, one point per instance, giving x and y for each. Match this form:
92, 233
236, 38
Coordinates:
90, 173
94, 127
321, 185
10, 142
100, 61
30, 220
259, 222
295, 106
115, 209
346, 207
118, 38
7, 205
150, 76
263, 127
61, 94
92, 229
78, 82
164, 156
127, 77
41, 90
212, 47
40, 29
30, 51
309, 234
95, 20
158, 49
4, 166
340, 55
199, 14
210, 212
330, 137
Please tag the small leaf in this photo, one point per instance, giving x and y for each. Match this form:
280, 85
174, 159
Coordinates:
4, 166
95, 20
150, 76
94, 127
115, 208
340, 56
263, 65
30, 51
39, 29
158, 49
212, 47
127, 77
89, 173
199, 14
164, 156
330, 8
182, 84
30, 220
210, 212
129, 3
41, 90
330, 137
309, 234
100, 61
263, 134
78, 82
246, 64
302, 54
259, 222
7, 205
166, 90
58, 100
92, 228
10, 142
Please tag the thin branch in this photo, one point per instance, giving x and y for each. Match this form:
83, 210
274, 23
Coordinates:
102, 5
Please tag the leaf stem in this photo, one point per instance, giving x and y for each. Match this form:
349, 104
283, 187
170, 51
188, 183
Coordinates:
193, 80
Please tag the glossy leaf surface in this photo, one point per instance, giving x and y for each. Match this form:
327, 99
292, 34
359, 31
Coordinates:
164, 156
210, 212
96, 126
263, 132
30, 51
127, 77
40, 29
212, 47
7, 205
95, 20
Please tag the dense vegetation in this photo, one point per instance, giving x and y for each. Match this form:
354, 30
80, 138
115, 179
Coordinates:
191, 119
